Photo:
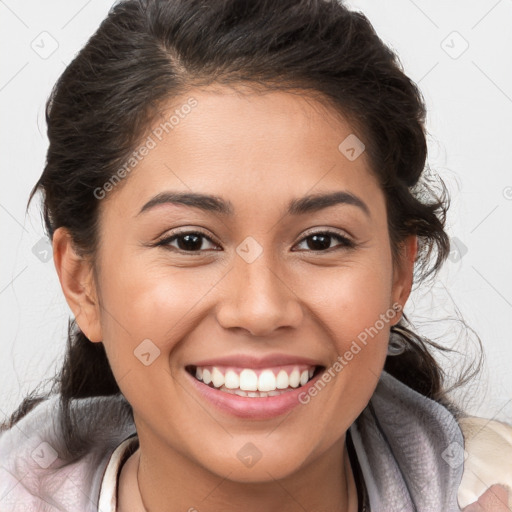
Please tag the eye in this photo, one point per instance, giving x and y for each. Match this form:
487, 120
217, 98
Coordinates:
187, 241
321, 241
192, 241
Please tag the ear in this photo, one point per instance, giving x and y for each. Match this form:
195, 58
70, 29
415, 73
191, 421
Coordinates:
77, 282
403, 273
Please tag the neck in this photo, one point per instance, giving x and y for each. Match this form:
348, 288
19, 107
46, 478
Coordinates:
326, 484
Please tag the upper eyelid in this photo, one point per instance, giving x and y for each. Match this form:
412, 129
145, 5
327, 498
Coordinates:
350, 242
313, 231
186, 232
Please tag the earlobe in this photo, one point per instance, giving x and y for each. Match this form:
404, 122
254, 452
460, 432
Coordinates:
77, 283
403, 272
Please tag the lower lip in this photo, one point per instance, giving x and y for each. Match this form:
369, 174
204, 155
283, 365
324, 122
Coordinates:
252, 407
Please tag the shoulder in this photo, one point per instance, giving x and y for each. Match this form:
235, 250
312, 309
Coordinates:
36, 466
487, 458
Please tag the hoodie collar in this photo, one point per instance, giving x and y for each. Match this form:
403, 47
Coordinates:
410, 450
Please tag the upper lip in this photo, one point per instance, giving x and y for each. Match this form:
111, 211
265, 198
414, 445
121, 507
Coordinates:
251, 361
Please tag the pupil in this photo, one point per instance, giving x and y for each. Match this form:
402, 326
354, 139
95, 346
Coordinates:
316, 238
188, 245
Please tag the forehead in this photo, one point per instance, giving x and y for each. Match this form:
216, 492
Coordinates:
246, 146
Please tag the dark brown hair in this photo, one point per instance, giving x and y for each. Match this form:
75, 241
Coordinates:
148, 51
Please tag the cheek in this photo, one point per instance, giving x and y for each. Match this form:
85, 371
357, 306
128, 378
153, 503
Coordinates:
146, 318
353, 305
348, 298
348, 303
152, 302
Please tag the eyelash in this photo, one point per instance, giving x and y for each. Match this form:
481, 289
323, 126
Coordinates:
346, 243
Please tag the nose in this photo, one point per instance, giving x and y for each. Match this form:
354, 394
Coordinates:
257, 299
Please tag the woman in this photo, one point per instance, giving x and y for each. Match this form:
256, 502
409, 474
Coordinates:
233, 192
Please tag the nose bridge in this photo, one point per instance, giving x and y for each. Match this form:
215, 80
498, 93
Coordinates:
258, 299
259, 280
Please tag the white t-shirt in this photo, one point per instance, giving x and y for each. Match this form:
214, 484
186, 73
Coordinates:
109, 483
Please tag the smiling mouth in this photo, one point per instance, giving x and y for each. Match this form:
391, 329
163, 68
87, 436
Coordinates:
255, 383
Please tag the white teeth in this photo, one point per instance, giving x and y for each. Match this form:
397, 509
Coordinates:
206, 376
294, 378
282, 380
267, 381
248, 380
217, 377
248, 383
232, 380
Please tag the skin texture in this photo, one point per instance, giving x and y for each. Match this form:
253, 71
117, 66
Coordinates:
258, 151
494, 499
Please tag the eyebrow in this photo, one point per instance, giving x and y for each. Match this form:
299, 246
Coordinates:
215, 204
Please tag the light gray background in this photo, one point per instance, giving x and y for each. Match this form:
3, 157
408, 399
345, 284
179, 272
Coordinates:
469, 97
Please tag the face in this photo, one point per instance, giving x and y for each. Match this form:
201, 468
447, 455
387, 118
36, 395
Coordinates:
256, 285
